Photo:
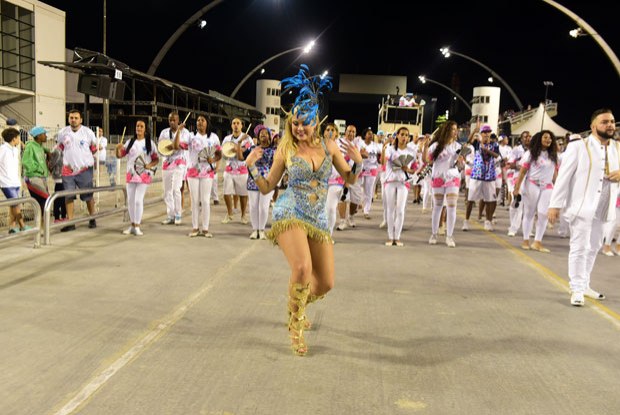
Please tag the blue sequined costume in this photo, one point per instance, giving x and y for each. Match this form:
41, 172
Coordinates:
302, 204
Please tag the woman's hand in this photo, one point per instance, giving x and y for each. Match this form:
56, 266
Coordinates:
352, 151
255, 155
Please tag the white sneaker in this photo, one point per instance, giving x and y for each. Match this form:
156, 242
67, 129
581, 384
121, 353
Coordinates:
254, 235
511, 233
342, 225
194, 234
488, 226
261, 235
382, 225
227, 219
244, 220
450, 242
465, 227
167, 221
207, 234
177, 220
136, 231
127, 231
577, 299
433, 240
351, 222
594, 294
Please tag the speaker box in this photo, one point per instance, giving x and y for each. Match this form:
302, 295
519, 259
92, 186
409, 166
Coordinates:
101, 86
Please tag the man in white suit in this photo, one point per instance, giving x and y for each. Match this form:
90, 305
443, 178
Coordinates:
588, 183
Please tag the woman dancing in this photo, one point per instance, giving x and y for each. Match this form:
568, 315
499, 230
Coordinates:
445, 178
299, 223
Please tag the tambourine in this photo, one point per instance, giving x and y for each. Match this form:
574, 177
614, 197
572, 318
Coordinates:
229, 150
140, 166
162, 147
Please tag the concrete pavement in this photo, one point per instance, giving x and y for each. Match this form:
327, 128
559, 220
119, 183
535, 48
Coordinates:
100, 323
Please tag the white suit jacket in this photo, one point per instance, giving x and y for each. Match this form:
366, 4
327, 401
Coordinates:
580, 179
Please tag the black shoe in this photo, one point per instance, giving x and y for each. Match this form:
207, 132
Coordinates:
92, 224
68, 228
216, 202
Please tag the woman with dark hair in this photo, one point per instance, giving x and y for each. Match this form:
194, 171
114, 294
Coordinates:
539, 168
141, 152
204, 153
443, 153
396, 184
259, 203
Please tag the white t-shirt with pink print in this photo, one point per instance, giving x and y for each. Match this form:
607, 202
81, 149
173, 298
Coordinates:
138, 157
200, 147
179, 157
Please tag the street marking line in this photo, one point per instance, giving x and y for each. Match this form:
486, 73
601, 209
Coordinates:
605, 312
159, 328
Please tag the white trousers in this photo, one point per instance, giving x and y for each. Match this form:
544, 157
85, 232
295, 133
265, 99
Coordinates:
368, 184
426, 191
334, 193
535, 199
586, 238
612, 229
200, 191
516, 217
173, 180
214, 195
259, 208
395, 201
447, 196
135, 201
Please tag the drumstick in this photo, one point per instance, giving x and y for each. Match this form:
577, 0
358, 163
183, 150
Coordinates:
186, 117
123, 136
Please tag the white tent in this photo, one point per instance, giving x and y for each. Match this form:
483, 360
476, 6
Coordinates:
539, 121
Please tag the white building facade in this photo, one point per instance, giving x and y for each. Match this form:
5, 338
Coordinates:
268, 102
485, 106
32, 93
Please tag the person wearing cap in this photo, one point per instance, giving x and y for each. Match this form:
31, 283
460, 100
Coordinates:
34, 162
587, 183
482, 182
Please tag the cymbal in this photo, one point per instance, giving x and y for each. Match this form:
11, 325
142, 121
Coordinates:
162, 147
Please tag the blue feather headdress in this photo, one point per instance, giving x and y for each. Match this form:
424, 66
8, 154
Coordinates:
311, 88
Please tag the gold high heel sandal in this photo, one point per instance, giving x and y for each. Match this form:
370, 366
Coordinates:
312, 298
298, 298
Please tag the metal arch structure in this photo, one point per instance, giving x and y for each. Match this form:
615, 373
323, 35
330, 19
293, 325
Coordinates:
257, 67
424, 79
491, 71
590, 31
172, 40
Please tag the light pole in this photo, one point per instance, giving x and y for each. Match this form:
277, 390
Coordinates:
189, 22
447, 52
589, 31
547, 84
424, 80
306, 49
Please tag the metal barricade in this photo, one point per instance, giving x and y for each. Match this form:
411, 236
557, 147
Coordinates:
36, 230
47, 221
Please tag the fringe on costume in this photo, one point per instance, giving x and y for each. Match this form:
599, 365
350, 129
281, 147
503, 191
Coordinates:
286, 224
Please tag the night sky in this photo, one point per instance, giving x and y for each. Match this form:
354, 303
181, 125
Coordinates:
526, 42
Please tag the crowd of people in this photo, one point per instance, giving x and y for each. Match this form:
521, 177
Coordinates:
317, 182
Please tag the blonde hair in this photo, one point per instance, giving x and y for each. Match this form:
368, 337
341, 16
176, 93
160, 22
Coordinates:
288, 144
